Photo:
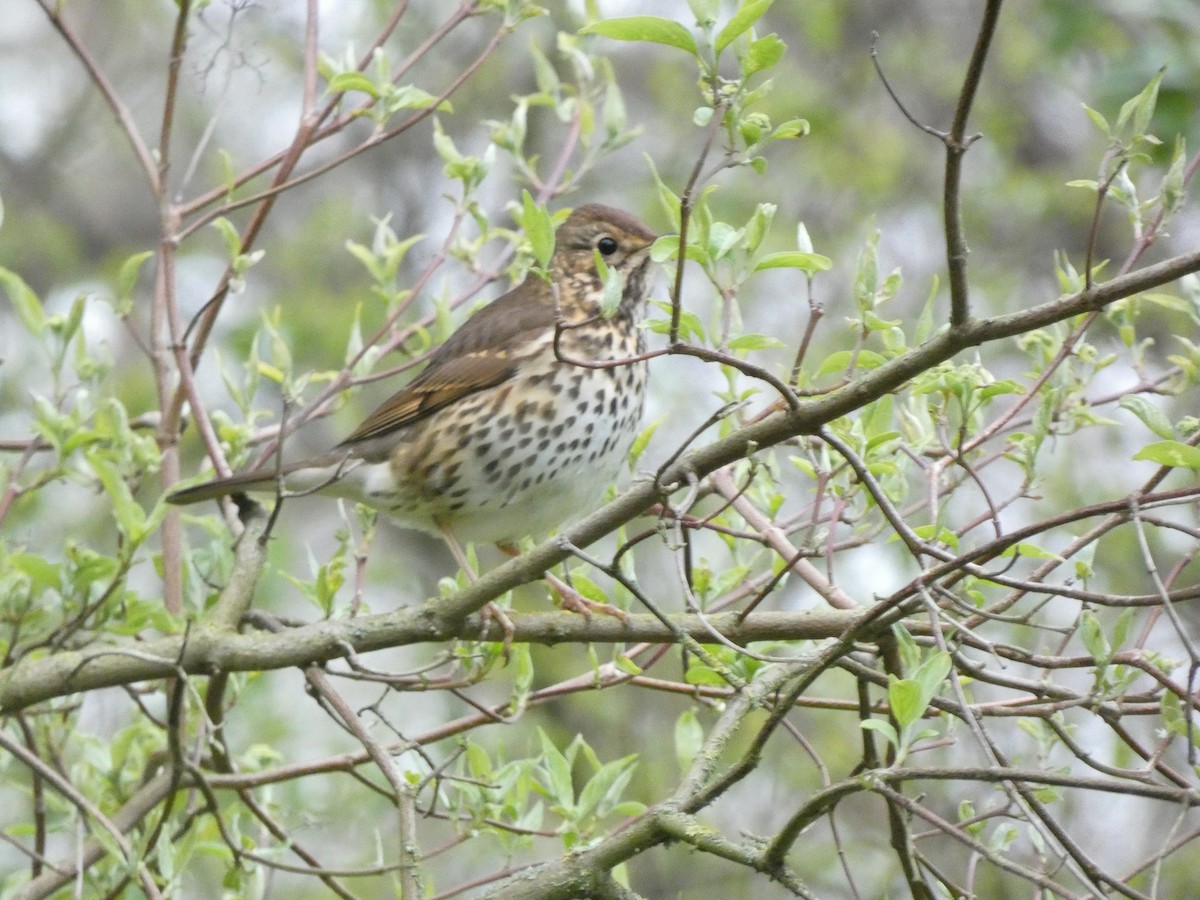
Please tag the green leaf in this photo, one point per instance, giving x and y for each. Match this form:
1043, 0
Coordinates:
1120, 630
705, 12
614, 287
906, 700
704, 675
1150, 414
722, 238
1171, 453
810, 263
538, 228
877, 421
363, 254
755, 342
603, 790
410, 96
445, 147
667, 247
627, 809
930, 674
803, 465
1140, 109
614, 115
906, 646
1174, 184
558, 773
792, 128
650, 29
228, 231
129, 515
520, 664
763, 54
1093, 638
479, 764
543, 72
999, 389
924, 325
803, 240
1167, 301
270, 372
966, 810
1098, 120
1172, 714
840, 361
933, 533
626, 664
866, 273
127, 279
42, 573
731, 578
587, 588
759, 224
752, 127
1003, 837
667, 198
640, 442
25, 302
1084, 562
748, 13
352, 81
1030, 550
689, 323
689, 738
884, 728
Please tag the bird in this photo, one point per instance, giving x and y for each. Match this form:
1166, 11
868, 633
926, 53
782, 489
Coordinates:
520, 421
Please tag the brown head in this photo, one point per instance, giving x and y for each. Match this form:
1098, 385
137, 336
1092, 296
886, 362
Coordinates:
621, 240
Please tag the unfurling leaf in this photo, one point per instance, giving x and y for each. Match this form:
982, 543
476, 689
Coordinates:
650, 29
1171, 453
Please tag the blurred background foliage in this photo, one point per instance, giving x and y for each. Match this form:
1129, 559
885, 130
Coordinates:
76, 208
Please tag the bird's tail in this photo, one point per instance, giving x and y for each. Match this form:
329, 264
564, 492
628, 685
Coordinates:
309, 475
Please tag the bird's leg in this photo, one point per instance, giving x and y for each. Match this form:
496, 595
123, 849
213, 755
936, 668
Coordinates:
568, 597
492, 610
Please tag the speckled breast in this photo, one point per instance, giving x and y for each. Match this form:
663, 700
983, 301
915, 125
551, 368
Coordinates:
538, 450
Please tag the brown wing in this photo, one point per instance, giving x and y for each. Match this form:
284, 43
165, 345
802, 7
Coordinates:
477, 356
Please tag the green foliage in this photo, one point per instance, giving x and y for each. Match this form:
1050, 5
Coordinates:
383, 260
648, 29
505, 799
388, 98
689, 738
239, 262
539, 230
874, 480
1170, 453
909, 697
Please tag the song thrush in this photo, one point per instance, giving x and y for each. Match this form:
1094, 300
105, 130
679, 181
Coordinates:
503, 435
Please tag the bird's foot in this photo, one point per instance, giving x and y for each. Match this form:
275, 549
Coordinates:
571, 599
493, 612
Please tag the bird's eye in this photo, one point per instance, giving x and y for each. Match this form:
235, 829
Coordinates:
607, 246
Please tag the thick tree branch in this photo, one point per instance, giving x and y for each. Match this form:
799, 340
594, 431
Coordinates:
209, 650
